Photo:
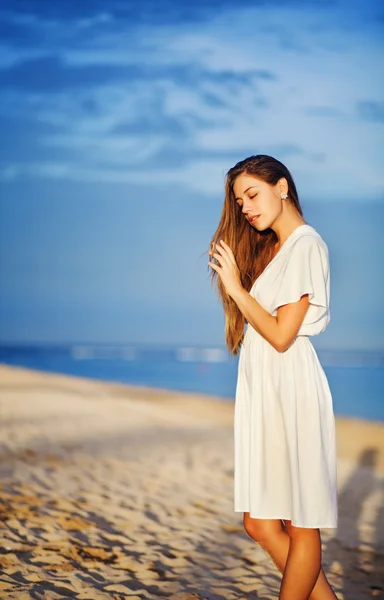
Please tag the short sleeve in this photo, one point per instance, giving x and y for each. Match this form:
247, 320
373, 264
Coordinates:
306, 271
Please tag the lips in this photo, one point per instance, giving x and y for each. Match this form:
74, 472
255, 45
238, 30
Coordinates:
252, 219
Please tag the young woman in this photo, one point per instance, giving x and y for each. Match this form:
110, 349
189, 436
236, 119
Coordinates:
273, 273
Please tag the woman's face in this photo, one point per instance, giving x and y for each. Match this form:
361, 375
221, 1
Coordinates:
260, 202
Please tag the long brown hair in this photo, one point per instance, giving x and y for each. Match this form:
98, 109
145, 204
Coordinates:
252, 249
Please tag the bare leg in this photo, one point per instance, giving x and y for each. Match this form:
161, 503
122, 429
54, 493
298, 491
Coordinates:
303, 564
322, 590
275, 538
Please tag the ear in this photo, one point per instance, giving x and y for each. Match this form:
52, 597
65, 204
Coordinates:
283, 185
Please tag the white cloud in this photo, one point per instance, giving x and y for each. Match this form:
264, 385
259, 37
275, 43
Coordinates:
10, 57
103, 149
315, 60
323, 182
100, 18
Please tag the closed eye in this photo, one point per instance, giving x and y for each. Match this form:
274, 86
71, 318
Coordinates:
250, 197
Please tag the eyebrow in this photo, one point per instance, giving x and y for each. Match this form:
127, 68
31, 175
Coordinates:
250, 187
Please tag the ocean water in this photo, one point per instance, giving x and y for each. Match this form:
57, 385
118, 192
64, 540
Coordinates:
356, 379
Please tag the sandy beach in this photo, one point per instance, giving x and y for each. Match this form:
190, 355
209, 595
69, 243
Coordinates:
114, 491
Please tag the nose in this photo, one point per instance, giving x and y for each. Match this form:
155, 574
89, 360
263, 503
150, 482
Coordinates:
246, 208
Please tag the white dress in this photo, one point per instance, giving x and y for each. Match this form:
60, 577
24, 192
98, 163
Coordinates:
284, 425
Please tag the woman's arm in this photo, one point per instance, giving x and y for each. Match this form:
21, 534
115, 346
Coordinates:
279, 331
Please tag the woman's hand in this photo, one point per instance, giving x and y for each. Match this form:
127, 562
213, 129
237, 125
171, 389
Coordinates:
228, 271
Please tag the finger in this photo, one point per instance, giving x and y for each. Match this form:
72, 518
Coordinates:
229, 251
223, 255
218, 248
223, 258
214, 267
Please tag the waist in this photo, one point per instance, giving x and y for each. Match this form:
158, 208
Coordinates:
253, 334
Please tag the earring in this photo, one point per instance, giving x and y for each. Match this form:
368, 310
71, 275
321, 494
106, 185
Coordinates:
284, 196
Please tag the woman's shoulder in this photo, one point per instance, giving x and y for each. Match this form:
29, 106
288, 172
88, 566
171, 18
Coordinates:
308, 237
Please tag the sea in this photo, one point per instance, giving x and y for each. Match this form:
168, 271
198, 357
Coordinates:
356, 378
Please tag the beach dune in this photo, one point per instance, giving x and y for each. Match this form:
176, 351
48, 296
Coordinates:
117, 491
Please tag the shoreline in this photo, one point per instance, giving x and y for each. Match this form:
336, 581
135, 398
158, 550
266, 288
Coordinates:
348, 428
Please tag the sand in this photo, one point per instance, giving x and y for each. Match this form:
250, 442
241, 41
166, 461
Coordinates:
114, 491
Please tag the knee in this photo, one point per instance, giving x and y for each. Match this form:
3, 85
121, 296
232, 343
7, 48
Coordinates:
296, 533
261, 530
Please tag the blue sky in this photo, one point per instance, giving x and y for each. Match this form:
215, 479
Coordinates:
118, 122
